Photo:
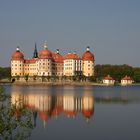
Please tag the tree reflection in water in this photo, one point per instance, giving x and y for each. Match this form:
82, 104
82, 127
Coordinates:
15, 123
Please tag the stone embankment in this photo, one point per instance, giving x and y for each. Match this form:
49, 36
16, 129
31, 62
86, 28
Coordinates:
57, 83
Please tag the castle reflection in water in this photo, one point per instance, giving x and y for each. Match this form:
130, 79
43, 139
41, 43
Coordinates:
46, 105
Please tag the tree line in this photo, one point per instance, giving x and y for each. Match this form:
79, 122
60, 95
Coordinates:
116, 71
5, 73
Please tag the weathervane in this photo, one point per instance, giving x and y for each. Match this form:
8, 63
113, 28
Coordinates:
45, 45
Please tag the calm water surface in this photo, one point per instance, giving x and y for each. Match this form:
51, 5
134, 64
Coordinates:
81, 113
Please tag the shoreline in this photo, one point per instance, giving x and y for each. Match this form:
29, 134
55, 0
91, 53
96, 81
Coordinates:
62, 84
56, 84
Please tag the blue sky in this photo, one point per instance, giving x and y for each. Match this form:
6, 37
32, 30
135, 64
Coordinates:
110, 27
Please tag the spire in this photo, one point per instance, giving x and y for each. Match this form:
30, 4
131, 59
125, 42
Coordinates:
35, 55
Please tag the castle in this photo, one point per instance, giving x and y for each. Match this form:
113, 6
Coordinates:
48, 63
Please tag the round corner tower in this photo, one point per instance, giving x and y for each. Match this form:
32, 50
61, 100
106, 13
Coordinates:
88, 63
17, 63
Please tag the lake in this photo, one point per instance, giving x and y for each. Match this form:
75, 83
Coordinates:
80, 112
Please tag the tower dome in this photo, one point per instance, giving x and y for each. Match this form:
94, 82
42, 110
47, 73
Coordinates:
17, 55
88, 56
45, 53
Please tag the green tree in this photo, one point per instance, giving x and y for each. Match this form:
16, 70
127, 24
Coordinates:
116, 71
13, 127
5, 73
48, 78
34, 77
136, 76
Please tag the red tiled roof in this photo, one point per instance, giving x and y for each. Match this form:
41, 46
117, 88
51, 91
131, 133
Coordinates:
126, 78
30, 61
57, 57
72, 56
108, 77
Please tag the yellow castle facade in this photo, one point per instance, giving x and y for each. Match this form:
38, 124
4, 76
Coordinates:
48, 63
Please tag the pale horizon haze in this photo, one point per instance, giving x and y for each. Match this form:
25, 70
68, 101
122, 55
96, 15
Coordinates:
110, 27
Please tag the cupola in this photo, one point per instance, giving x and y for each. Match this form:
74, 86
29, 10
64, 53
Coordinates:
45, 53
88, 56
17, 55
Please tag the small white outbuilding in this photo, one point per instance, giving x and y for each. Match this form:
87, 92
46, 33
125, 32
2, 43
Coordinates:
108, 80
126, 81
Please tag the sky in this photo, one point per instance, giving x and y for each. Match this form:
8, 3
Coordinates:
110, 27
